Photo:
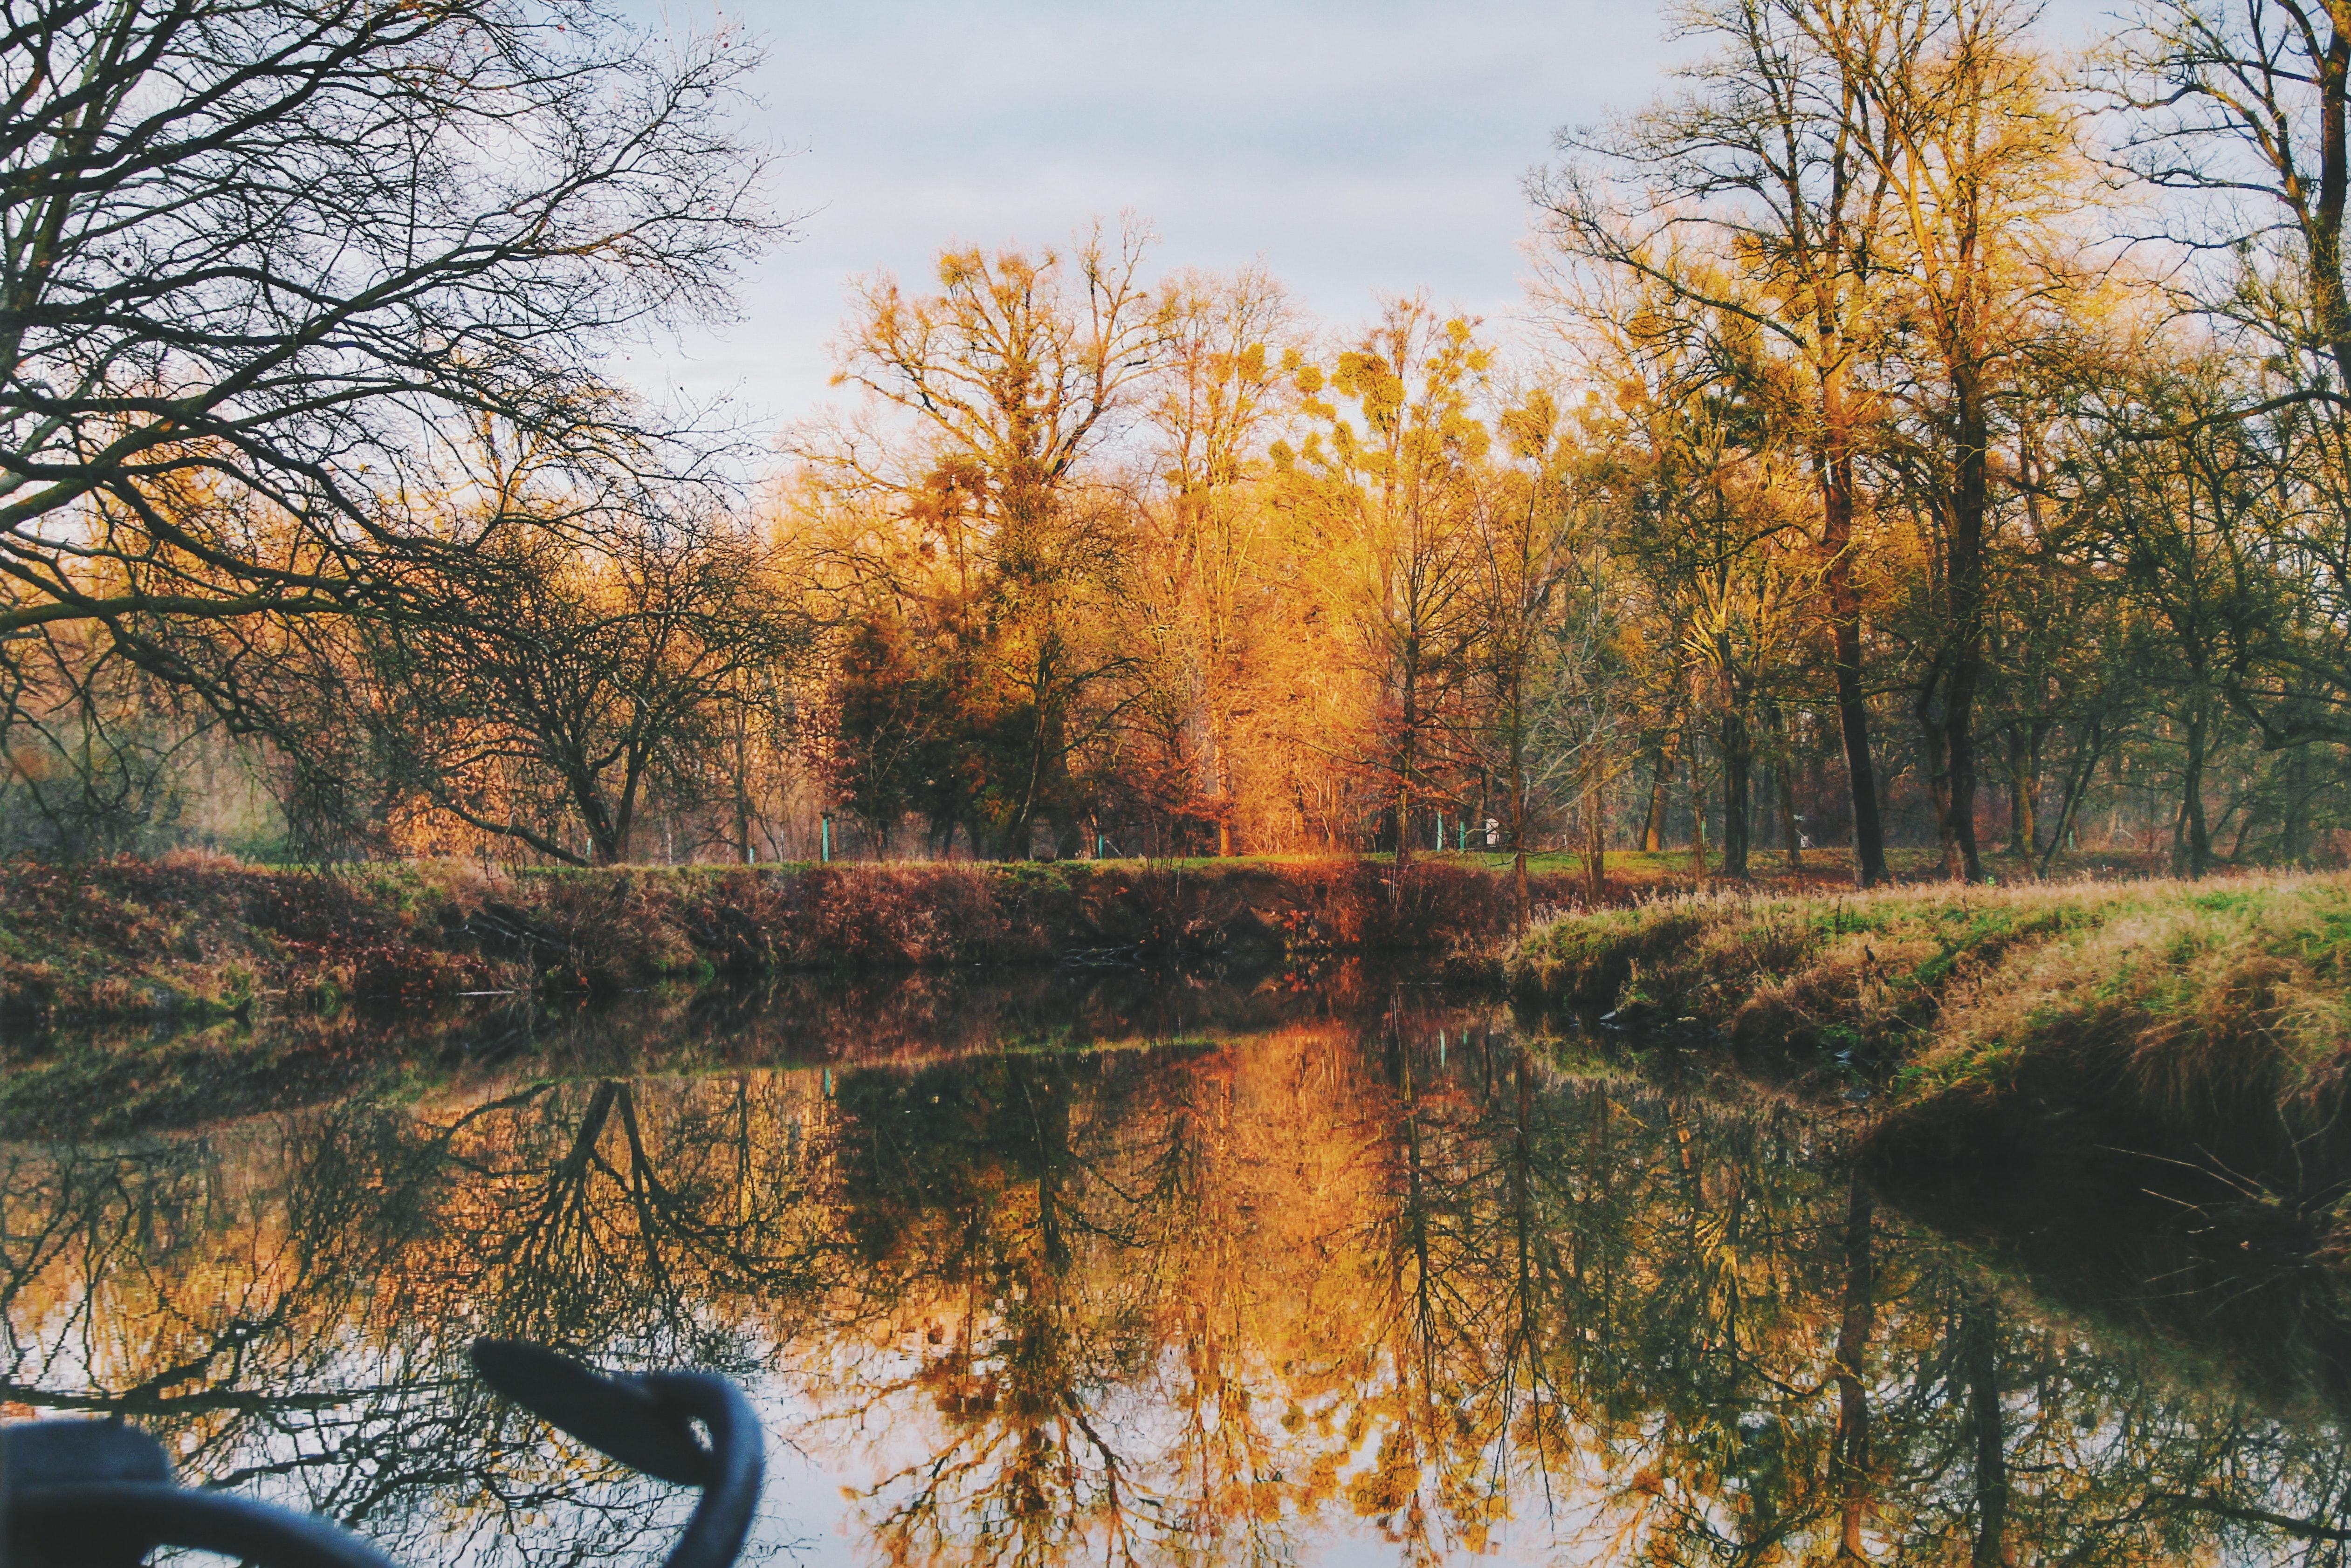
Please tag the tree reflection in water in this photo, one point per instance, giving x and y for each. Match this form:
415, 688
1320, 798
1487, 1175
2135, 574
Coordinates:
1395, 1279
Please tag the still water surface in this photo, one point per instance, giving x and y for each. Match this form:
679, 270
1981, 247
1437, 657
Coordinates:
1109, 1270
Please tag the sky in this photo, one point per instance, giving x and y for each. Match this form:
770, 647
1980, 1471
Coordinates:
1356, 149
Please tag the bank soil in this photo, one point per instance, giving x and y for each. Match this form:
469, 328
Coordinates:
194, 939
2198, 1032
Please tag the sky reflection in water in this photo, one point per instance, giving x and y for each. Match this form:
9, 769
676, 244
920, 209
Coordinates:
1159, 1273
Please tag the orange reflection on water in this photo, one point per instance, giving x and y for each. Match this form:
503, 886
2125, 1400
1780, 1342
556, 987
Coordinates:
1390, 1281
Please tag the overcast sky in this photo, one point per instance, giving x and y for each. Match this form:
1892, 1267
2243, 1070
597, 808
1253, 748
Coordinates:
1357, 148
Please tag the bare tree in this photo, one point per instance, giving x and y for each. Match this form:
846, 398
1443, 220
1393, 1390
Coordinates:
253, 251
557, 685
1772, 162
2247, 106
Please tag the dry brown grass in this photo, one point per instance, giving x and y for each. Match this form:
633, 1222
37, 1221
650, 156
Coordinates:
2221, 1011
2209, 1021
199, 935
197, 938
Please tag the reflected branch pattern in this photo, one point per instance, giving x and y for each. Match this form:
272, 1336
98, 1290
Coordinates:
1405, 1277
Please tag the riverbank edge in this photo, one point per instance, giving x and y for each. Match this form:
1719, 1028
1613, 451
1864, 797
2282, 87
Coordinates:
193, 941
2205, 1025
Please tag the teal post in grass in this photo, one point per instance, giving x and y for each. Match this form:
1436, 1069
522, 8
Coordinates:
824, 838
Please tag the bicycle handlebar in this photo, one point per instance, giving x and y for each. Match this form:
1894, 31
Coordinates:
646, 1423
101, 1493
105, 1522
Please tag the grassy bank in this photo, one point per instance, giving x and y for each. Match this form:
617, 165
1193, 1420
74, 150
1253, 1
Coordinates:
197, 939
2205, 1023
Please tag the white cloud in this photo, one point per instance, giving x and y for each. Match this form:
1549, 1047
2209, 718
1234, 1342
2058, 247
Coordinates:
1358, 149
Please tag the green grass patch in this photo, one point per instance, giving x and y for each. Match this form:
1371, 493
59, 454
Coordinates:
2205, 1021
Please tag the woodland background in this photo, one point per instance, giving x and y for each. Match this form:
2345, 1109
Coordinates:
1919, 439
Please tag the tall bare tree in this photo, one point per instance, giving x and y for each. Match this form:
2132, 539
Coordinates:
1979, 162
1770, 161
252, 252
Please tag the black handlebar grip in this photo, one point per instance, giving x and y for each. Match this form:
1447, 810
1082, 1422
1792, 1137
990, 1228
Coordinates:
646, 1423
88, 1493
617, 1416
714, 1537
80, 1524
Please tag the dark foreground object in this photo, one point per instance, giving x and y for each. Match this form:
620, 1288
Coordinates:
99, 1494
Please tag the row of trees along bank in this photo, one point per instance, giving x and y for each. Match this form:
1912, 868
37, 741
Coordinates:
1930, 438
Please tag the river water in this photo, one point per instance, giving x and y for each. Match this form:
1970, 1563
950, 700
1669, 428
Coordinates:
1112, 1268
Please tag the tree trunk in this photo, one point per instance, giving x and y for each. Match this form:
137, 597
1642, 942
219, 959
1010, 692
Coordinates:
2023, 790
1816, 790
2087, 747
1738, 759
1697, 821
1405, 758
1852, 701
1965, 864
1934, 737
2191, 839
1792, 837
1220, 767
1849, 1459
1970, 503
2296, 837
608, 831
1523, 892
1979, 1349
1854, 716
1661, 778
1595, 840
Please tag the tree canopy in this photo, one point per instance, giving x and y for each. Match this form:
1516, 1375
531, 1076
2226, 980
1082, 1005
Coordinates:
1932, 452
